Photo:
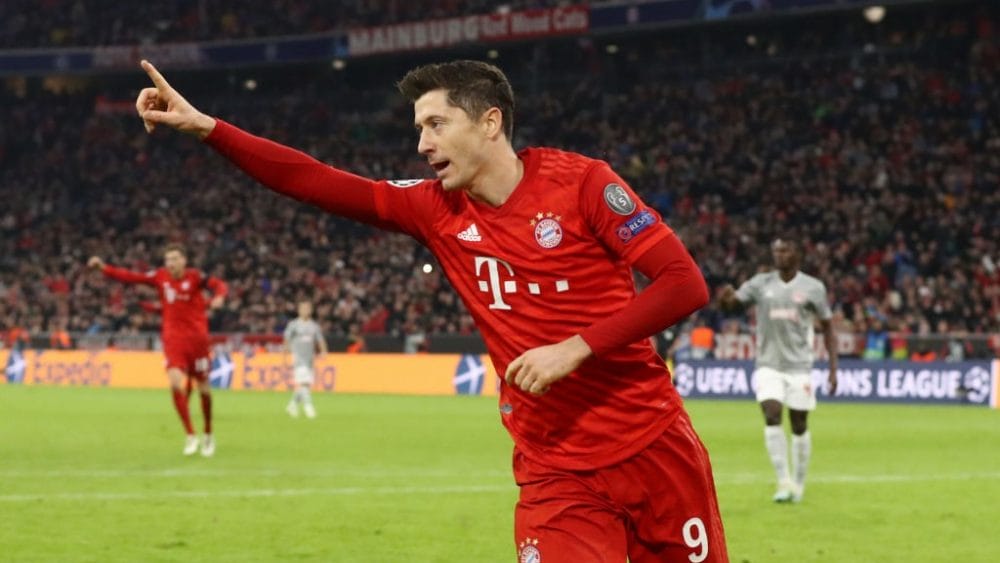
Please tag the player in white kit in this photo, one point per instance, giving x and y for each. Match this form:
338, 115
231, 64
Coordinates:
303, 337
788, 303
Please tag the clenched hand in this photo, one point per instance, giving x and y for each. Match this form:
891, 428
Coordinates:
537, 369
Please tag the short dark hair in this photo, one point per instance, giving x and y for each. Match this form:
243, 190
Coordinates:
473, 86
785, 239
175, 246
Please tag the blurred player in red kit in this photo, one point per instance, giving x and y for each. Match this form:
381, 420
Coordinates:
540, 245
184, 333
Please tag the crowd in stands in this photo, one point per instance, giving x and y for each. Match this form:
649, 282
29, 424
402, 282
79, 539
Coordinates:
65, 23
885, 169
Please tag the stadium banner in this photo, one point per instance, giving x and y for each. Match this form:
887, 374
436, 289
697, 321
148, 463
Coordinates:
665, 12
421, 374
481, 28
972, 383
227, 54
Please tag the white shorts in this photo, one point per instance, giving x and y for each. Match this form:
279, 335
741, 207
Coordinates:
794, 390
303, 375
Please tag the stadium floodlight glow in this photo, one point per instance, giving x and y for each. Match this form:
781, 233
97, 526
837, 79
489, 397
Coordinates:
250, 84
338, 64
874, 14
752, 40
492, 53
611, 49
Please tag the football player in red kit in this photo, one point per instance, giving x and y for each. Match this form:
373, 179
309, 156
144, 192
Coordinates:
540, 245
184, 332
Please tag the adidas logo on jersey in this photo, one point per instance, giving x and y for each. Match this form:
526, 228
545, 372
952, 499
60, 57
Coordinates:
471, 234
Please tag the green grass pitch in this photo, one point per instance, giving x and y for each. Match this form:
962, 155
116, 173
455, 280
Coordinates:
91, 474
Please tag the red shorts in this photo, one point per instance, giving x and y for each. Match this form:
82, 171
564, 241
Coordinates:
657, 506
193, 357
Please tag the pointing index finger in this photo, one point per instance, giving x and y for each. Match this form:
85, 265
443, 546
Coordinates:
154, 75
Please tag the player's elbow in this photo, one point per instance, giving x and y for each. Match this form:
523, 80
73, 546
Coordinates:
697, 292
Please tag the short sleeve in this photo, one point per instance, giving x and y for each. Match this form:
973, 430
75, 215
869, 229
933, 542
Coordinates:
407, 206
288, 331
618, 218
820, 304
749, 292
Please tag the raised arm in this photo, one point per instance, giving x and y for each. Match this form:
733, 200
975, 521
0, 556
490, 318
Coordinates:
121, 274
219, 291
283, 169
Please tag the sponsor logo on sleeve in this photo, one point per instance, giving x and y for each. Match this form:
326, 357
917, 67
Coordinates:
642, 221
404, 183
618, 199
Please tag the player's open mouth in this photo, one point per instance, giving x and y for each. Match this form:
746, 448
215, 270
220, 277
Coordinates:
440, 166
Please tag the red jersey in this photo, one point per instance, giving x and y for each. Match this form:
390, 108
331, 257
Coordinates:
182, 302
553, 261
540, 268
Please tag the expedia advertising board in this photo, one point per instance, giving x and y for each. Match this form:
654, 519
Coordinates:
974, 383
438, 374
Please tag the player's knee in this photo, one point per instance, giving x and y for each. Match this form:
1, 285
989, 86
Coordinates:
772, 412
798, 422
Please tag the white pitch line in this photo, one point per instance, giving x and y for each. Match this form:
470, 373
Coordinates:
743, 479
753, 478
335, 491
185, 473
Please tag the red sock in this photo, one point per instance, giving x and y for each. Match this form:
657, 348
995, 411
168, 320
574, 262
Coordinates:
206, 410
181, 404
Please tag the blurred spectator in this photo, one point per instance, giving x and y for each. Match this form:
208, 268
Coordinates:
885, 166
62, 23
702, 340
876, 340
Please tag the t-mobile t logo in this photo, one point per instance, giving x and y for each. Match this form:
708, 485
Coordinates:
492, 283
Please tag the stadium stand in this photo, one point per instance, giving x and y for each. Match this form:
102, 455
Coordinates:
64, 23
879, 153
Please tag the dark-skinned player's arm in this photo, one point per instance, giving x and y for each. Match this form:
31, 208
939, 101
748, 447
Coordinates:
634, 233
830, 340
729, 301
121, 274
283, 169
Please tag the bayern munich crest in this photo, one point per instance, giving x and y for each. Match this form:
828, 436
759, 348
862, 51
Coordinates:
548, 231
528, 552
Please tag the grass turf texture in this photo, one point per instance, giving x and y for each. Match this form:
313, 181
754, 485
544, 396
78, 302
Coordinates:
92, 474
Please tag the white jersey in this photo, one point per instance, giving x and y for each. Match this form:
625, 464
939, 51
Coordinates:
301, 338
786, 313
